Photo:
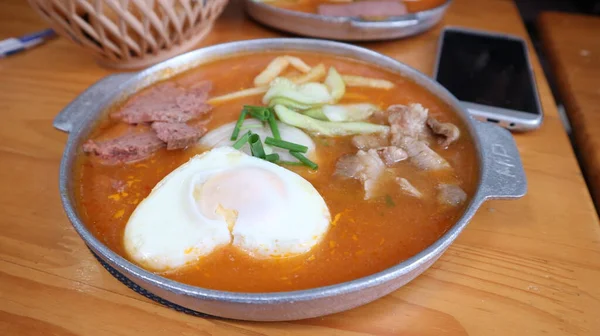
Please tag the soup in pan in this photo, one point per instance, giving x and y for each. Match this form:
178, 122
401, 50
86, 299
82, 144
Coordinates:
366, 9
275, 171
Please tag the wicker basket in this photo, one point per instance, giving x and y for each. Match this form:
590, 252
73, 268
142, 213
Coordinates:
130, 34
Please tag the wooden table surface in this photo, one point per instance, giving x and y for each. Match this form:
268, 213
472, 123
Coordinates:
572, 44
522, 267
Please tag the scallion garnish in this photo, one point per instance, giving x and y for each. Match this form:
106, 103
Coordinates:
249, 127
272, 157
274, 127
304, 160
265, 114
286, 145
291, 163
256, 146
238, 125
242, 141
259, 112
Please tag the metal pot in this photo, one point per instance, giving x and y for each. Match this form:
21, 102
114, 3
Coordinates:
501, 175
345, 28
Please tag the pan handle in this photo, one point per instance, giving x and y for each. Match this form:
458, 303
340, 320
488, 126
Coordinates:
87, 101
503, 174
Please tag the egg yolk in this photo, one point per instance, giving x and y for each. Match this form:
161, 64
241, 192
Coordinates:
246, 195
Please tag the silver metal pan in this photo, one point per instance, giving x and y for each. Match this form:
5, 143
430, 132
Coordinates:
345, 28
501, 175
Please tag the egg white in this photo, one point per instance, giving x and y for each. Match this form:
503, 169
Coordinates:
222, 197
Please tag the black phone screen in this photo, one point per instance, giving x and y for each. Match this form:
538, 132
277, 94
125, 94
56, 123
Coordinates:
487, 70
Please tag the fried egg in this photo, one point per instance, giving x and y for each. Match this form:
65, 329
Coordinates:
220, 137
223, 197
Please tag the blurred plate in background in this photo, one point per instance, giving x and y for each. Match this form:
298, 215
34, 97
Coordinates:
344, 28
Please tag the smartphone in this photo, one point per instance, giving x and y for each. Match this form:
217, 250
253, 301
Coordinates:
491, 75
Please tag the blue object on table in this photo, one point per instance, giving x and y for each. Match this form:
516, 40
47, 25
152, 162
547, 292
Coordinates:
15, 45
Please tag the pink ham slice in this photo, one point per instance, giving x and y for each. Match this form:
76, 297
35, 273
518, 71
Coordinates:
166, 102
125, 149
364, 9
177, 135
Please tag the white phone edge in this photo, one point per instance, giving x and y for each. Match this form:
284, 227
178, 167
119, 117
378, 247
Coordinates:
511, 119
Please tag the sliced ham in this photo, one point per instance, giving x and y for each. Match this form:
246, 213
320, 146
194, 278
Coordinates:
408, 188
450, 194
177, 135
448, 132
365, 166
127, 148
364, 9
166, 102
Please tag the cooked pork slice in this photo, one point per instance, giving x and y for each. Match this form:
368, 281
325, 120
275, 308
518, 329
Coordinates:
408, 188
448, 131
392, 155
365, 166
177, 135
374, 8
380, 116
125, 149
450, 194
421, 155
348, 166
407, 121
365, 142
165, 102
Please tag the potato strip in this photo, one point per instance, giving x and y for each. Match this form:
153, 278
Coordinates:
274, 69
359, 81
314, 75
298, 64
238, 94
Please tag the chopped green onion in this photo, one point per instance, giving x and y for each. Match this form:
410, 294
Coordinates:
272, 157
274, 127
290, 163
286, 145
242, 141
259, 112
256, 146
304, 160
238, 125
249, 127
389, 201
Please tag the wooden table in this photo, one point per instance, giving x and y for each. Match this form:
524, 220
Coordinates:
573, 48
524, 267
